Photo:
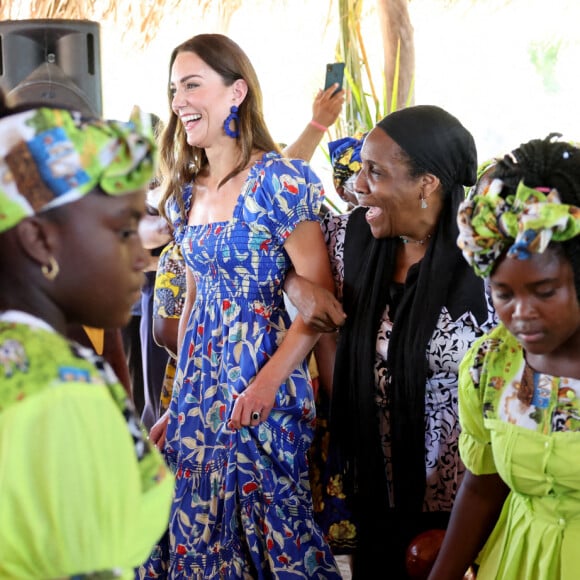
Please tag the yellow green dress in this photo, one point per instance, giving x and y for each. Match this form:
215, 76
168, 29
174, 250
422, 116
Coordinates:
525, 426
81, 489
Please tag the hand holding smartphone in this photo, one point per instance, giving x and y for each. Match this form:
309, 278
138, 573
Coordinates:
334, 74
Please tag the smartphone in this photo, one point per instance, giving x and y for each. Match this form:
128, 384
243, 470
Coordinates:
334, 74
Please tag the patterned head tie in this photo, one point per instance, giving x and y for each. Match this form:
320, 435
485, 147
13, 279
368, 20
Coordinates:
49, 157
522, 224
345, 158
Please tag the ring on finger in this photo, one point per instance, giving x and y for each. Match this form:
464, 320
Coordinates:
255, 416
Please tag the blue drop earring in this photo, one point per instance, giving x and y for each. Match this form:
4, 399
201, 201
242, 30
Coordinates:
234, 118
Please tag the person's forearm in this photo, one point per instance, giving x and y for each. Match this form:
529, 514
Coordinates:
475, 513
165, 333
292, 285
325, 353
306, 144
293, 350
317, 305
188, 301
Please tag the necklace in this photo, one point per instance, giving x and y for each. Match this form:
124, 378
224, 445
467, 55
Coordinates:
407, 240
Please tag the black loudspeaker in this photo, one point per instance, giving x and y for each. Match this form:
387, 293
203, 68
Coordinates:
52, 62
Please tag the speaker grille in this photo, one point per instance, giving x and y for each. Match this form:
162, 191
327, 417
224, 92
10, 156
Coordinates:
56, 62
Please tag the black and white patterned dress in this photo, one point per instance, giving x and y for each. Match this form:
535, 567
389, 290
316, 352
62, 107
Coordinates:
449, 344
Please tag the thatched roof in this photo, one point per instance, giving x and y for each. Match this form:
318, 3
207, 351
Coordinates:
140, 20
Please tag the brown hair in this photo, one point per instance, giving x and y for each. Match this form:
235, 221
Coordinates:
178, 160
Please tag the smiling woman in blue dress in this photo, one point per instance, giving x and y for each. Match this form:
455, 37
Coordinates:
241, 417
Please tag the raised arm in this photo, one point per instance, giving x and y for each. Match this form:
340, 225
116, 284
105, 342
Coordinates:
325, 111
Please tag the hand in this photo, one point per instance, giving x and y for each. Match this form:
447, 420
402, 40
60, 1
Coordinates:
159, 430
252, 406
327, 106
318, 307
322, 311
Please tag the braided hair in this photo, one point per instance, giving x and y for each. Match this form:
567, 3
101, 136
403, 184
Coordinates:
551, 163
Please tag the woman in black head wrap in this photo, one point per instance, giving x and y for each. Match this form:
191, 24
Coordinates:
414, 308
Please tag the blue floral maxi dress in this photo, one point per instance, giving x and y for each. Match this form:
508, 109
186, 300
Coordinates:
242, 505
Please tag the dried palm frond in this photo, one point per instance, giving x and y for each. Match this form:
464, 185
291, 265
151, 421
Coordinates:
140, 20
367, 103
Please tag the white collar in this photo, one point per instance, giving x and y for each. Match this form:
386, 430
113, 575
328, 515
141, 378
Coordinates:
17, 316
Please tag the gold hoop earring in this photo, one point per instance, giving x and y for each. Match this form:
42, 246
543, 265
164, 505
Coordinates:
50, 271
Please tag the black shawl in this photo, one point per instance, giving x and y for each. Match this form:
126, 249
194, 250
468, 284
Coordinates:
441, 278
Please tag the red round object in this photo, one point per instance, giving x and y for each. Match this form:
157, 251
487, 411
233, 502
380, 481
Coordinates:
421, 553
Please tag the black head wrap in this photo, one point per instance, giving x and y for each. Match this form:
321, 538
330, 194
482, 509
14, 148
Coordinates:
438, 142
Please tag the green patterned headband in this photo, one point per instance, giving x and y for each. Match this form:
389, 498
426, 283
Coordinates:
522, 224
49, 157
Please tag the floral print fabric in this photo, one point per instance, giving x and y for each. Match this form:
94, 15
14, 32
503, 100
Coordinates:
78, 461
242, 506
525, 426
168, 300
169, 283
523, 223
49, 157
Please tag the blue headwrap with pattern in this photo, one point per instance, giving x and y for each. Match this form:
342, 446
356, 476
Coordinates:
345, 158
49, 157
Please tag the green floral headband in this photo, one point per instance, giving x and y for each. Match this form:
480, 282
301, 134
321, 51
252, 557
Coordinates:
49, 157
523, 223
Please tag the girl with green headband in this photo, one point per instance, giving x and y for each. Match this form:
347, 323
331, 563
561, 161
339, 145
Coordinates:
82, 491
517, 513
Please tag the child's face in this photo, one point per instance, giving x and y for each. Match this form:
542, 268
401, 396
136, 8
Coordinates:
537, 301
101, 259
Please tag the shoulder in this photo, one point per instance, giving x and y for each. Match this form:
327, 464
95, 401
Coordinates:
33, 360
275, 162
281, 190
496, 340
490, 352
175, 214
287, 172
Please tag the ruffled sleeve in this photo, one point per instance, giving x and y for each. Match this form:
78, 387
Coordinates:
174, 214
474, 439
281, 194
